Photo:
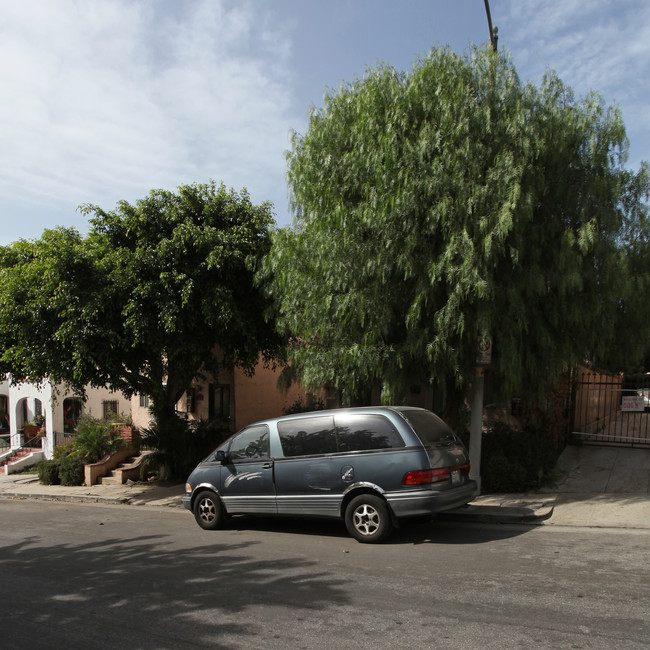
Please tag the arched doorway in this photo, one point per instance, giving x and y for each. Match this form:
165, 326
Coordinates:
29, 417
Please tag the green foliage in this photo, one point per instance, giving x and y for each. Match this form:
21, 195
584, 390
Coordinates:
71, 470
61, 451
515, 461
95, 439
38, 420
155, 294
180, 444
304, 406
48, 472
630, 347
449, 202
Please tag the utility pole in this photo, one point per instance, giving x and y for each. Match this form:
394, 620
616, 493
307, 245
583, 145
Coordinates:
494, 31
484, 351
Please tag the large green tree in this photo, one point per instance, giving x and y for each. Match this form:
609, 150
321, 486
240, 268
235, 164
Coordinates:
450, 202
156, 293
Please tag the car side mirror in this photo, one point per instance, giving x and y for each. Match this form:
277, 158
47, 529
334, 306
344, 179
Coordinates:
222, 457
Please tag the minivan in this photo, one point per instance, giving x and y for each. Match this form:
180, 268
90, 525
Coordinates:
370, 466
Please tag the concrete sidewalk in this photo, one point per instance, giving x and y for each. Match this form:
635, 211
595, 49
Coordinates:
596, 487
606, 487
27, 486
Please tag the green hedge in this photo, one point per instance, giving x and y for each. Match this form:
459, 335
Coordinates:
48, 472
515, 461
71, 470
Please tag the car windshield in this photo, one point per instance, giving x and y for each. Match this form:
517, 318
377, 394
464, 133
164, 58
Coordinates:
431, 430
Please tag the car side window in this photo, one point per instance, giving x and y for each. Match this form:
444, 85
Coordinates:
307, 436
366, 432
252, 442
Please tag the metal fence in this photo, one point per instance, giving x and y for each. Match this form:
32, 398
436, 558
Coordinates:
611, 409
63, 438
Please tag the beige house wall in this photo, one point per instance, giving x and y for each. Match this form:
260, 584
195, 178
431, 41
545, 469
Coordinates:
258, 397
139, 414
94, 405
251, 398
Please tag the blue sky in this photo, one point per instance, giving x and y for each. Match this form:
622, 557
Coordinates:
104, 100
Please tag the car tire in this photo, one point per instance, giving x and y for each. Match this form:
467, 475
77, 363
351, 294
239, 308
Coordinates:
208, 510
367, 519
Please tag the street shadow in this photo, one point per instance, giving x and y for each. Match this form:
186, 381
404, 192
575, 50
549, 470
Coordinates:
409, 532
439, 532
50, 593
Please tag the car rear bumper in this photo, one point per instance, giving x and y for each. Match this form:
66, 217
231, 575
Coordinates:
416, 503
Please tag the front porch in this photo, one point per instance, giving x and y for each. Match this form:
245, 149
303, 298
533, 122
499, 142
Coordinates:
28, 454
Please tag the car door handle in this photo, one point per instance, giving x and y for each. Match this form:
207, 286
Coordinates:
267, 465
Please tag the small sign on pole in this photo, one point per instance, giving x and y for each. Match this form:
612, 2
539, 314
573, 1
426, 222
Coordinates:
484, 351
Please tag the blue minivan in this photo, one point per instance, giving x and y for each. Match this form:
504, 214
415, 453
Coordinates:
369, 466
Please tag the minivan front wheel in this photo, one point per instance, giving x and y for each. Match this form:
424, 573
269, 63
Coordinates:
367, 519
208, 510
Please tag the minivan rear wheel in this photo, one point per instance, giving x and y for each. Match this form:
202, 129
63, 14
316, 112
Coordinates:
367, 519
208, 510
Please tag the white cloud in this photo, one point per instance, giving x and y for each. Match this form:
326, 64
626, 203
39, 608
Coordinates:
598, 45
111, 98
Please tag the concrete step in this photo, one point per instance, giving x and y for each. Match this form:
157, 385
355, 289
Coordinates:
108, 480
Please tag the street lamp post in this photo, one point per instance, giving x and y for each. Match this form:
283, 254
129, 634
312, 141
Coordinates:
494, 31
484, 356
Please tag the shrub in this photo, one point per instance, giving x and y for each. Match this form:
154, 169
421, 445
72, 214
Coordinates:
71, 470
95, 439
515, 461
48, 472
63, 450
180, 445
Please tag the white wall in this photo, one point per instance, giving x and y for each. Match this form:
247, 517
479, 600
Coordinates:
29, 393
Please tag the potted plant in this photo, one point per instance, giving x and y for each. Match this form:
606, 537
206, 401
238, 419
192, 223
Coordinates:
30, 429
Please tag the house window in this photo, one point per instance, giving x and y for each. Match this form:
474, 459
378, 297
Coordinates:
219, 401
144, 401
110, 408
72, 409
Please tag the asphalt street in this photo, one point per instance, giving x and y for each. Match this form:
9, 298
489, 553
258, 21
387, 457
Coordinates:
79, 575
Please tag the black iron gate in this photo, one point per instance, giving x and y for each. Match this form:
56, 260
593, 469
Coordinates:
611, 409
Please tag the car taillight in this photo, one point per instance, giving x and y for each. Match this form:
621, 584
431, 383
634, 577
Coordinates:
427, 476
417, 477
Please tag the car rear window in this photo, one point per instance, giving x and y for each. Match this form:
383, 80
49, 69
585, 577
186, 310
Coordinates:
429, 427
307, 436
353, 432
365, 432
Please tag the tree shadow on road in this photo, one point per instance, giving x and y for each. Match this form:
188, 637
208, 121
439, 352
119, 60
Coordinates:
424, 531
73, 590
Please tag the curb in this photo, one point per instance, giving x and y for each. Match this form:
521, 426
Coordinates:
499, 514
67, 498
489, 514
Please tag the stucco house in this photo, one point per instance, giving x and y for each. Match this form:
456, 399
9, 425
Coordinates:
30, 409
233, 398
